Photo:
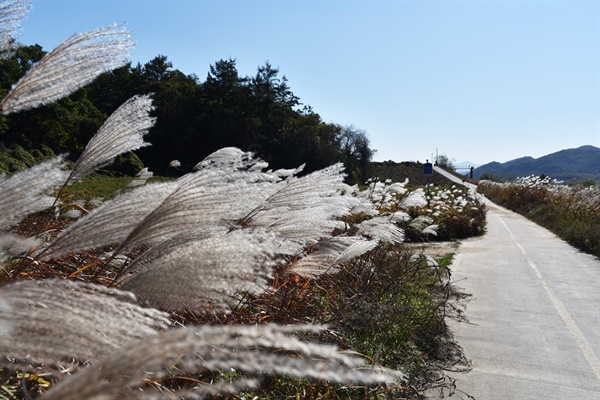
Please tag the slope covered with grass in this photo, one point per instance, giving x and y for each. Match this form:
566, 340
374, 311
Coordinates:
233, 280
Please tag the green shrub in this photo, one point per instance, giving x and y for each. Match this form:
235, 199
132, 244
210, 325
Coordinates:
15, 158
9, 164
23, 155
127, 164
95, 186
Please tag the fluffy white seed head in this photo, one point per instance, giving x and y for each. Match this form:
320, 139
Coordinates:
73, 64
123, 131
55, 321
255, 350
29, 191
11, 13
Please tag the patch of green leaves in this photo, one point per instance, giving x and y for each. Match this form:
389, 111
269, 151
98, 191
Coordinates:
99, 186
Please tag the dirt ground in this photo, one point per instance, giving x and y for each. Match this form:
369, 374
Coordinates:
434, 249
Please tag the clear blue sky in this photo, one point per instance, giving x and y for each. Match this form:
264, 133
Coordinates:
477, 80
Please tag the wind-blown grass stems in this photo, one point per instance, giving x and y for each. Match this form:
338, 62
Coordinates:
252, 349
73, 64
11, 13
64, 322
228, 231
123, 131
29, 191
222, 245
453, 213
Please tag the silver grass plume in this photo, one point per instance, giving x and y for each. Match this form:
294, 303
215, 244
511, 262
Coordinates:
431, 229
197, 204
73, 64
400, 216
210, 199
204, 275
54, 322
123, 131
11, 13
424, 224
141, 177
415, 198
293, 195
255, 350
230, 158
160, 250
28, 191
381, 228
234, 159
112, 221
12, 245
327, 255
359, 202
206, 200
304, 209
286, 173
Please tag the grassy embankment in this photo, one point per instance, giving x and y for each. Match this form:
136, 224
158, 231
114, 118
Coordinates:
571, 212
388, 305
209, 285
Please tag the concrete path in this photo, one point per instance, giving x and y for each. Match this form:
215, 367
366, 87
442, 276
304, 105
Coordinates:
533, 329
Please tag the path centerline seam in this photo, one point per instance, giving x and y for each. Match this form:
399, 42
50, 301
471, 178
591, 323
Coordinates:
564, 314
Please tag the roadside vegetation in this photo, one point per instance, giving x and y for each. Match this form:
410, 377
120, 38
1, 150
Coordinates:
235, 279
388, 304
570, 211
435, 213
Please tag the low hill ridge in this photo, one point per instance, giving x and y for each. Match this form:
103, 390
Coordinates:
570, 164
413, 171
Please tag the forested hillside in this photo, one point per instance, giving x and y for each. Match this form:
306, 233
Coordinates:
256, 113
571, 164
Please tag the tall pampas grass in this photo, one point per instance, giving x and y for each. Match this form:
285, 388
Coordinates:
30, 190
253, 350
11, 13
60, 323
123, 131
206, 275
209, 237
304, 209
111, 222
73, 64
328, 255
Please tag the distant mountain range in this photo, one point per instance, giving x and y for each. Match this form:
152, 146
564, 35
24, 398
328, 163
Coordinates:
579, 164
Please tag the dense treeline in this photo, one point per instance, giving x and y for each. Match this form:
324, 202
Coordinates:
194, 118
